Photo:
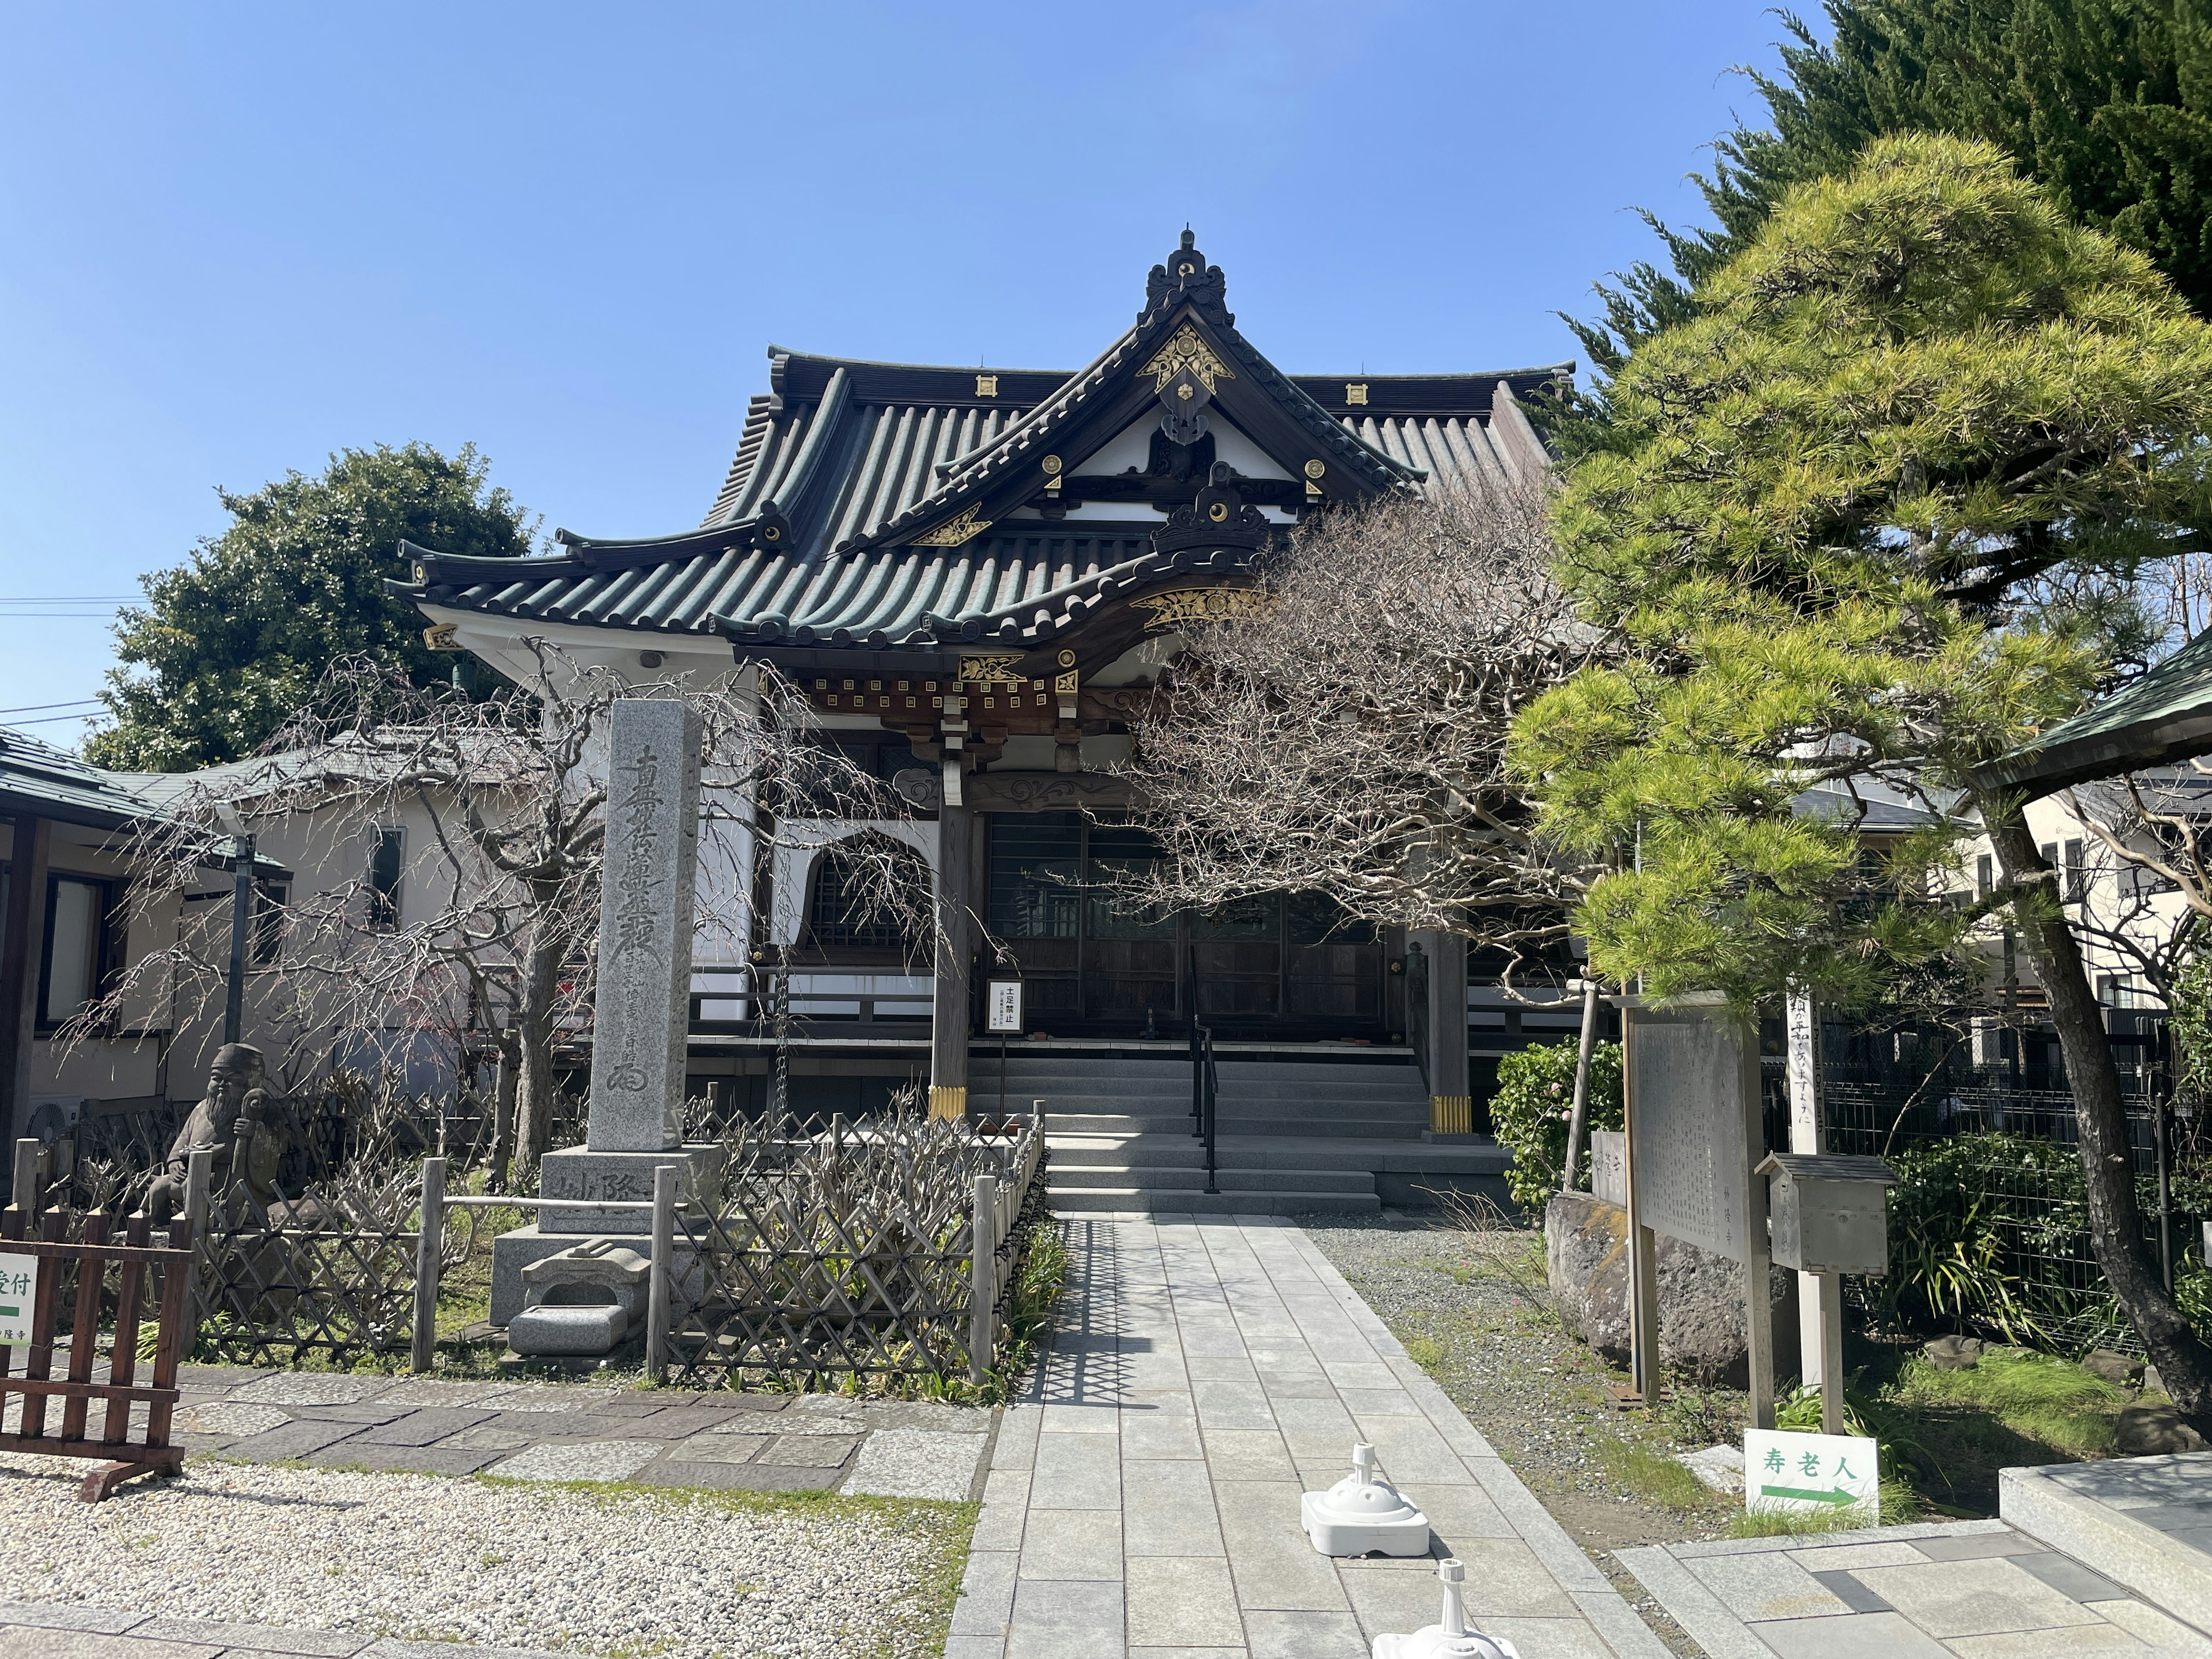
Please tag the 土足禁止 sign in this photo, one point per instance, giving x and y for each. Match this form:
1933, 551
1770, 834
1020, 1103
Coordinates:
1003, 1006
1810, 1474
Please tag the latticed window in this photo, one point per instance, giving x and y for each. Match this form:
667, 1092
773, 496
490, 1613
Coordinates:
845, 892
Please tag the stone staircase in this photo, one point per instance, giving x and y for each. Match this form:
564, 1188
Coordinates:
1118, 1127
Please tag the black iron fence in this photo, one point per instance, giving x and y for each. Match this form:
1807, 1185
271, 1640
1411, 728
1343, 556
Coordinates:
1990, 1223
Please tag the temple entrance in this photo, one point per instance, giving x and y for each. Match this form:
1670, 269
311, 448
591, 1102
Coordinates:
1098, 962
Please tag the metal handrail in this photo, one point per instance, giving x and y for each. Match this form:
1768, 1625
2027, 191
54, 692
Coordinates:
1212, 1104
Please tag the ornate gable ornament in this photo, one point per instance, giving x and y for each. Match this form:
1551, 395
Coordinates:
1186, 351
1182, 608
1186, 275
1219, 518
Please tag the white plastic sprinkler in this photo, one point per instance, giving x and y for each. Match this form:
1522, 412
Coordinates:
1363, 1514
1450, 1638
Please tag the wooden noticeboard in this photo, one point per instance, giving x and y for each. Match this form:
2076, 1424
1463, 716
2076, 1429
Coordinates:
1695, 1137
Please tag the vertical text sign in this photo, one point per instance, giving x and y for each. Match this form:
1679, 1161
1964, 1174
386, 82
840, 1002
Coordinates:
640, 1013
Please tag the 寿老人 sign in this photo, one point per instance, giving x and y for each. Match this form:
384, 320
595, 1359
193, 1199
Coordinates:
1810, 1474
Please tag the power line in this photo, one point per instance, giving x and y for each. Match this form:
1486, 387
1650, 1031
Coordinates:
35, 707
52, 719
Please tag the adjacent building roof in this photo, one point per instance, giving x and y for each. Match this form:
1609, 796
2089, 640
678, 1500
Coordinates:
871, 503
38, 779
2163, 717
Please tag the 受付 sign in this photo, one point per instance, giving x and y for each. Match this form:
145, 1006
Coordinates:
1810, 1474
19, 1283
1003, 1006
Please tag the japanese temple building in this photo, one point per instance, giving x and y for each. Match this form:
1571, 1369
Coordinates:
976, 575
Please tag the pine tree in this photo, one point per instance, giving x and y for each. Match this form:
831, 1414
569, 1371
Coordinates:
1869, 519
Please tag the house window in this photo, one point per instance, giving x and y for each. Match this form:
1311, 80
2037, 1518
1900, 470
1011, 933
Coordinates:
386, 859
1985, 876
269, 900
2077, 882
77, 936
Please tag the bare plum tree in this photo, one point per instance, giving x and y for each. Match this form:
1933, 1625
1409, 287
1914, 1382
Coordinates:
1345, 733
503, 801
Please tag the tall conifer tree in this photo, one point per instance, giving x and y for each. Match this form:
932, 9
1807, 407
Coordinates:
1870, 518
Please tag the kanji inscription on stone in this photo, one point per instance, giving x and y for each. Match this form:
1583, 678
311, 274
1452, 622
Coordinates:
1688, 1121
642, 1010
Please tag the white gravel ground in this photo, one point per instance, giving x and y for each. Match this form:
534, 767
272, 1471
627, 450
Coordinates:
616, 1574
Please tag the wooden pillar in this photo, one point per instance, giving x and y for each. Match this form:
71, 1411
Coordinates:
956, 934
1451, 1109
25, 927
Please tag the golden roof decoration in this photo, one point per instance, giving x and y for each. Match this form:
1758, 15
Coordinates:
963, 526
1181, 607
1185, 349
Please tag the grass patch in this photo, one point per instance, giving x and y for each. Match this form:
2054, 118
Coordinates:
2032, 1395
1652, 1475
1427, 1352
1793, 1523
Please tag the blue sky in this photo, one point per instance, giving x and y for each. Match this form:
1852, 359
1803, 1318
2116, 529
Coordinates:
234, 237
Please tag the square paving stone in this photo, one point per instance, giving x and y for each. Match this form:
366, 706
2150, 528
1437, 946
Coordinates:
1770, 1587
256, 1639
589, 1460
311, 1388
1062, 1620
1973, 1598
54, 1615
420, 1428
1305, 1635
735, 1477
1853, 1636
677, 1422
229, 1419
436, 1391
810, 1451
917, 1463
1071, 1544
18, 1642
1184, 1602
718, 1448
490, 1438
289, 1440
418, 1460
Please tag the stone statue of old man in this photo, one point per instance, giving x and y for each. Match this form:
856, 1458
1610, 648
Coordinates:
233, 1121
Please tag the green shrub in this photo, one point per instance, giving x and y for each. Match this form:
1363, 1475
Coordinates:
1529, 1112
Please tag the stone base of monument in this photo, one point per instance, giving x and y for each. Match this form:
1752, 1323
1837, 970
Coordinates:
577, 1173
581, 1301
582, 1174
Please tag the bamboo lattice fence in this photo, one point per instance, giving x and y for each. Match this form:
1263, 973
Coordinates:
847, 1253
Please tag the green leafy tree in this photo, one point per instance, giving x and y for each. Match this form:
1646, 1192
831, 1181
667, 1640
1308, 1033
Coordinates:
230, 644
2107, 102
1875, 515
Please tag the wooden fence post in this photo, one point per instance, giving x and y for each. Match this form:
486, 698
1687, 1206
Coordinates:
23, 1181
429, 1245
664, 1252
983, 1283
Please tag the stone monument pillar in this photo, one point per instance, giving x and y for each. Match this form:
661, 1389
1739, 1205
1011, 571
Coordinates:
640, 1010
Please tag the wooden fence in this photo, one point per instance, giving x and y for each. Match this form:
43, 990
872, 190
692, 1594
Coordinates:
884, 1251
58, 1292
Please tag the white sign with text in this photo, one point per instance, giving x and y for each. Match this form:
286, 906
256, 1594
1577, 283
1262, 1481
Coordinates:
19, 1285
1002, 1006
1810, 1474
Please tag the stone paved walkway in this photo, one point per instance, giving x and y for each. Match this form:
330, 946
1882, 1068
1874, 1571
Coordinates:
69, 1632
1143, 1499
585, 1431
1970, 1589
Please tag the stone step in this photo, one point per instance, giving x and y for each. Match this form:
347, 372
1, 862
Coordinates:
2137, 1519
1113, 1123
1064, 1179
1138, 1201
1140, 1151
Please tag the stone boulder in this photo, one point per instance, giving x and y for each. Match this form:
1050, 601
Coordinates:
1954, 1353
2121, 1370
1701, 1315
2145, 1431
